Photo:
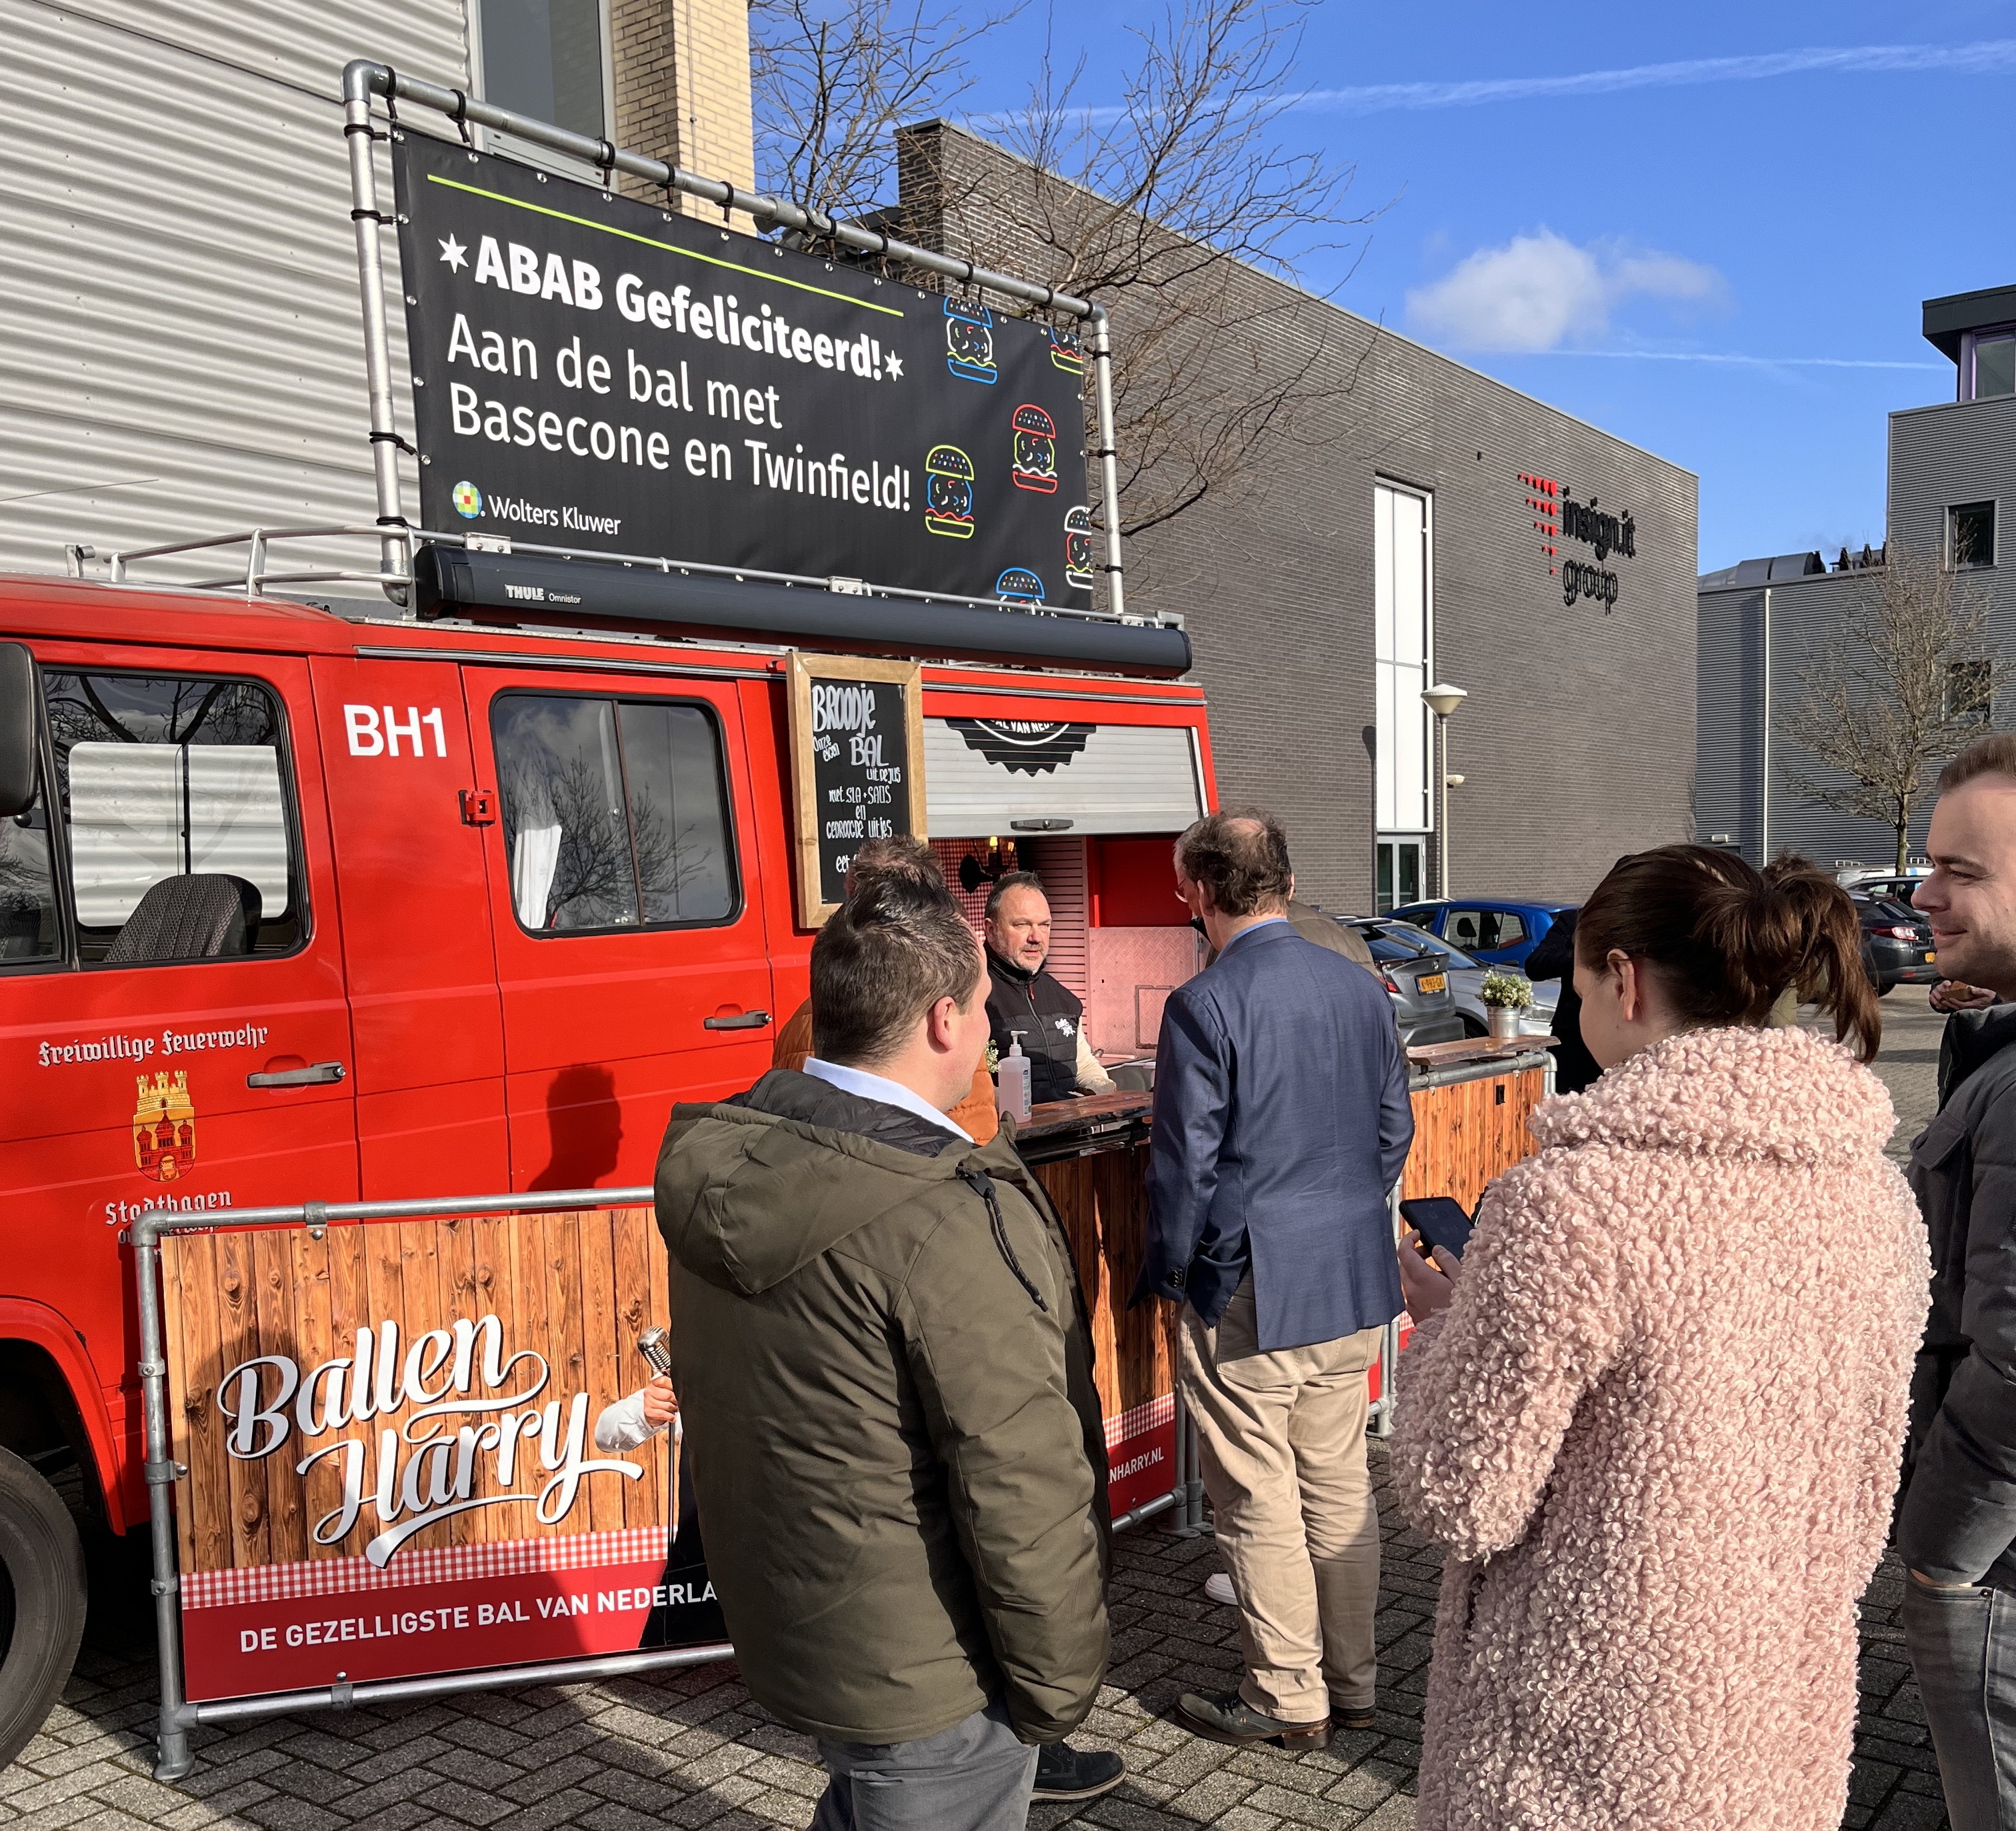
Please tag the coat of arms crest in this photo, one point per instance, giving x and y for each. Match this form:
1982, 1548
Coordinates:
164, 1127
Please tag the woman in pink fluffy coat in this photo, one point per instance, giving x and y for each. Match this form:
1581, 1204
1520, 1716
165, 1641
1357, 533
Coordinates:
1654, 1414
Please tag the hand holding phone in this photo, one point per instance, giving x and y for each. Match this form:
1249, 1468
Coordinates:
1438, 1221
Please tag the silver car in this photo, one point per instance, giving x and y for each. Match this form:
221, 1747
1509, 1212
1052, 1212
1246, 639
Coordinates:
1410, 964
1464, 973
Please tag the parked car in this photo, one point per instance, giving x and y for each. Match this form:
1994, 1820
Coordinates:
1897, 885
1896, 942
1495, 930
1466, 976
1417, 979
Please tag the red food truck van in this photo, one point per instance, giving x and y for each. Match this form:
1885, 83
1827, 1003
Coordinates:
326, 903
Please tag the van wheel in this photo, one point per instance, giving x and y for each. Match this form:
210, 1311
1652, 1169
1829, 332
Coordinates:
42, 1596
1885, 987
1472, 1028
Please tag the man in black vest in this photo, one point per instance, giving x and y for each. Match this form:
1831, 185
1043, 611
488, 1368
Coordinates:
1021, 996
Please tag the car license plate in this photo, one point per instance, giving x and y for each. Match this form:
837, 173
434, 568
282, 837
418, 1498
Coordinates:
1433, 982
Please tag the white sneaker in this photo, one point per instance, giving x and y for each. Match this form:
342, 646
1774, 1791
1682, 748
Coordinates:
1218, 1586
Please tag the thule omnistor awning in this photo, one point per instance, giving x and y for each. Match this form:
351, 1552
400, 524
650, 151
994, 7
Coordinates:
528, 588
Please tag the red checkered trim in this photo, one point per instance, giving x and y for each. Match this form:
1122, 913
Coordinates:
319, 1577
1140, 1420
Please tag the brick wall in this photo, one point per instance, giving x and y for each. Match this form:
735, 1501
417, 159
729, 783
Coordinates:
683, 90
1577, 742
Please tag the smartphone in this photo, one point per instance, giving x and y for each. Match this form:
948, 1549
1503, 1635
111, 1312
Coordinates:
1440, 1220
655, 1346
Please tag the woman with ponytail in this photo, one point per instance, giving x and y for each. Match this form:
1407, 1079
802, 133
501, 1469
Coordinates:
1655, 1415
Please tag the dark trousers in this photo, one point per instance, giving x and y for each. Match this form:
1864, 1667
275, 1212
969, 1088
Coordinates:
1963, 1647
975, 1776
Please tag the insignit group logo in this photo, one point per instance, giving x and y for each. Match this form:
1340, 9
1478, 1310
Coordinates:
468, 500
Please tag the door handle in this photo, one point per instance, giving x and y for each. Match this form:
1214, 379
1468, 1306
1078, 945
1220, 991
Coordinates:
749, 1020
318, 1075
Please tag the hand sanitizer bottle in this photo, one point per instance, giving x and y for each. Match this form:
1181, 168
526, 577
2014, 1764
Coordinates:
1011, 1080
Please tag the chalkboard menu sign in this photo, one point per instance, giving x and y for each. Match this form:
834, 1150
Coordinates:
857, 762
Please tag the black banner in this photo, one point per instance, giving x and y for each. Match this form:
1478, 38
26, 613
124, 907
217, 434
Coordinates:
596, 373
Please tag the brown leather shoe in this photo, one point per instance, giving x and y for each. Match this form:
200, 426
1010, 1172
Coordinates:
1231, 1719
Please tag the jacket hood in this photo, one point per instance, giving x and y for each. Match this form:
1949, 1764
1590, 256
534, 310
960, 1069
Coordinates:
1785, 1095
750, 1189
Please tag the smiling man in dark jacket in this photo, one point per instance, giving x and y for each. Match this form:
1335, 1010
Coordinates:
873, 1323
1956, 1526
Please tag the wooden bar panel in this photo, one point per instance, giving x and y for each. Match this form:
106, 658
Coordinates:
573, 1290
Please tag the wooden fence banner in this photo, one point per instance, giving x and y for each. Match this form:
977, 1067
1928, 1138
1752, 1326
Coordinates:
389, 1429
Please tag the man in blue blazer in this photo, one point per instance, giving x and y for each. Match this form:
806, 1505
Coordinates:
1282, 1121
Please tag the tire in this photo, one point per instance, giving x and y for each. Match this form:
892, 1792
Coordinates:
1471, 1028
43, 1592
1885, 987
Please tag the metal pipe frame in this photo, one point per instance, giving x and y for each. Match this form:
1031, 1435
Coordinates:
362, 79
177, 1715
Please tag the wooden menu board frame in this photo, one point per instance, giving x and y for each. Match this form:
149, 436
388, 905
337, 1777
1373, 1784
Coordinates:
813, 909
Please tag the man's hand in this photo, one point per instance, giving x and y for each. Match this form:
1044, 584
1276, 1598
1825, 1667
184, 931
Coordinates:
1957, 994
660, 1405
1427, 1288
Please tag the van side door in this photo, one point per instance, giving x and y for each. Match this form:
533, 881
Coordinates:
627, 900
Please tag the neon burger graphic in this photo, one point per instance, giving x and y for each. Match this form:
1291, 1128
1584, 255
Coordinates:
1065, 353
1078, 547
1035, 454
970, 341
948, 492
1019, 585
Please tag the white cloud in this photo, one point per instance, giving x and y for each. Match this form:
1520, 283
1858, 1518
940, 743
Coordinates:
1542, 290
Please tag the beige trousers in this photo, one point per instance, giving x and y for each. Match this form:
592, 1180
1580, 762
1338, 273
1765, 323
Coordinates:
1282, 1436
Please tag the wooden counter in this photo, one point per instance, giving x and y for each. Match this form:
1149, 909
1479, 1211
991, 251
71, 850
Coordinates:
1471, 1100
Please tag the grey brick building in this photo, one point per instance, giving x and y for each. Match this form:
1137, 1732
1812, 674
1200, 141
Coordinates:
1952, 466
1315, 627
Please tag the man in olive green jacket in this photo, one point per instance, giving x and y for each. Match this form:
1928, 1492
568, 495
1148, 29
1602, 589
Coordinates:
870, 1344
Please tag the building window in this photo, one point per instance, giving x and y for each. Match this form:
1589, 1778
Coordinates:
1971, 692
547, 60
1399, 876
1994, 366
1402, 647
1970, 536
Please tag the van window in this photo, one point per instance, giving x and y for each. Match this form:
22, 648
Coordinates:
29, 927
615, 812
163, 778
1482, 930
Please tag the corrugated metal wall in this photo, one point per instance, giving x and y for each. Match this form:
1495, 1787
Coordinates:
1060, 863
180, 348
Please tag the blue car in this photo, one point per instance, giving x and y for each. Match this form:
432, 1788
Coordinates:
1496, 932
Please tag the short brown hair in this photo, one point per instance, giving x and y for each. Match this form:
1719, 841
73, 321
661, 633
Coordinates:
1992, 755
900, 855
1726, 940
885, 956
1242, 858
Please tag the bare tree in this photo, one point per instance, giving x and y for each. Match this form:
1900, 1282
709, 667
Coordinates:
1905, 683
834, 79
1170, 199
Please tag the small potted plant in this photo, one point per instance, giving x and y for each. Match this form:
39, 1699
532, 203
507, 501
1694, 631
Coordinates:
1506, 996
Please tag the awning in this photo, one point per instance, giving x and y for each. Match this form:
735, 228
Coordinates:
989, 777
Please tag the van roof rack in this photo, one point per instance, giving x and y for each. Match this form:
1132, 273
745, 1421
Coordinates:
493, 578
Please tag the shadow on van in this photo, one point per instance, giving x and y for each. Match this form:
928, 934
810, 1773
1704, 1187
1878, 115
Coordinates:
584, 1129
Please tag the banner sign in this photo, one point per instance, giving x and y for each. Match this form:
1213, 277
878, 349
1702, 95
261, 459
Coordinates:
390, 1435
590, 371
857, 730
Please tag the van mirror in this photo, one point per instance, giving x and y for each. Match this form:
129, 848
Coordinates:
17, 729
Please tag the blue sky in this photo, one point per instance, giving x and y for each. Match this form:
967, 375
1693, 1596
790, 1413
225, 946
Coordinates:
1720, 256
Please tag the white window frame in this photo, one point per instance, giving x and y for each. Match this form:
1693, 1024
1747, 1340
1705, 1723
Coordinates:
509, 146
1384, 800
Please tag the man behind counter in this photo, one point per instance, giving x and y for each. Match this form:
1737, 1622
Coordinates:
1021, 996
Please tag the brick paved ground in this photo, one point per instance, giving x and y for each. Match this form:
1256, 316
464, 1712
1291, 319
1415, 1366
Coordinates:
692, 1749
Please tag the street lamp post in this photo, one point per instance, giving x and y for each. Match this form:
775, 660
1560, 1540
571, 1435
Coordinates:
1442, 700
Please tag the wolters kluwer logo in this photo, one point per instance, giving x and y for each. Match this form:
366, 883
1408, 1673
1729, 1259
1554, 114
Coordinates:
468, 500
